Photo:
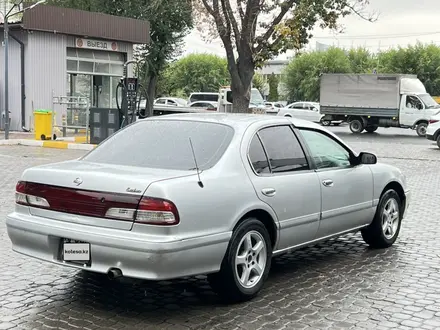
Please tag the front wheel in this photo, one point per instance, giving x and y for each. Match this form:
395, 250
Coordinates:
325, 122
356, 126
438, 141
246, 264
385, 228
421, 129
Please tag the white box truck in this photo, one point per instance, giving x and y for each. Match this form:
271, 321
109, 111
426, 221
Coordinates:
369, 101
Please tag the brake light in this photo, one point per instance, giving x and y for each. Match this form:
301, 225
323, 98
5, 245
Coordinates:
29, 200
115, 206
432, 121
154, 211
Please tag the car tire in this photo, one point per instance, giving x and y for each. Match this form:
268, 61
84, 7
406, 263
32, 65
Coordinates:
421, 129
438, 141
385, 228
227, 283
356, 126
371, 129
325, 122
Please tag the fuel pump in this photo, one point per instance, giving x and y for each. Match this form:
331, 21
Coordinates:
129, 105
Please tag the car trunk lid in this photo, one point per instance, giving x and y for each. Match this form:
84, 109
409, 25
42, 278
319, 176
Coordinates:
84, 192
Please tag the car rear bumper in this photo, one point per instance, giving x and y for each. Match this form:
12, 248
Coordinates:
135, 256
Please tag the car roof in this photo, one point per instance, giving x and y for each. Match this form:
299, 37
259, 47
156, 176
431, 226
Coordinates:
237, 120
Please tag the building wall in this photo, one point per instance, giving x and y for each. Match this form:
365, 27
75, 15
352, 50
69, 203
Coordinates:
45, 73
45, 63
14, 82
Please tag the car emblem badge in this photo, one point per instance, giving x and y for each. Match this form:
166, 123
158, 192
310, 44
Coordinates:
78, 181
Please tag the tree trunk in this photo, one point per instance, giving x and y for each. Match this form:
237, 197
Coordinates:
151, 93
241, 86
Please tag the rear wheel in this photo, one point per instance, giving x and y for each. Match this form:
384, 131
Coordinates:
421, 129
246, 264
385, 228
371, 129
438, 141
356, 126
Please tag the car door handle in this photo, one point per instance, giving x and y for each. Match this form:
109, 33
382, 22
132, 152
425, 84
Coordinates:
327, 183
269, 192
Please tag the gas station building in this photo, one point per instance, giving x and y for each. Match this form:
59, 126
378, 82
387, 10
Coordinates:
56, 51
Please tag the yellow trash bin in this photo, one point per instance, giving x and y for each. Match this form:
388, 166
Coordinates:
43, 124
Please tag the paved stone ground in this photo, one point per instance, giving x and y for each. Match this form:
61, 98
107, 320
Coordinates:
341, 284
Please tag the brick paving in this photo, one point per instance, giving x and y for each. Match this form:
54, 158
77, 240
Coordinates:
340, 284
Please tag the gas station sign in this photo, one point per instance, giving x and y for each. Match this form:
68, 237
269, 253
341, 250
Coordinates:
96, 44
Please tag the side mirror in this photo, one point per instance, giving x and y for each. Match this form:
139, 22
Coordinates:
367, 158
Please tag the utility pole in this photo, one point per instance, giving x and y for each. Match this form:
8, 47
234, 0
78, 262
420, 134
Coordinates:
6, 14
6, 42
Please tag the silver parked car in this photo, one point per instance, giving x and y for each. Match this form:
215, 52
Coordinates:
216, 194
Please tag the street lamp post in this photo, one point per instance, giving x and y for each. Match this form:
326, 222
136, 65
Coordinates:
6, 16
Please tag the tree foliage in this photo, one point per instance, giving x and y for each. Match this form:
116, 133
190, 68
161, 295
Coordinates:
255, 31
259, 82
273, 88
195, 73
170, 21
302, 75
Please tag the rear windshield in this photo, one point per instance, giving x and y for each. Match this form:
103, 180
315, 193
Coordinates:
165, 144
204, 97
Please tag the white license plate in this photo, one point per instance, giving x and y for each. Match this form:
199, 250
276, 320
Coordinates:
76, 251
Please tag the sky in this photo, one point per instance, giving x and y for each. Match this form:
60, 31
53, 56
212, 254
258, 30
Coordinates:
400, 22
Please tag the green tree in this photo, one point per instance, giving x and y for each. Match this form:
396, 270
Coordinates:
302, 75
196, 73
361, 60
421, 60
170, 21
273, 88
259, 82
243, 30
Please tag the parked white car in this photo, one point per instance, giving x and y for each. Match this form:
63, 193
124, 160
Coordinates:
302, 110
213, 193
273, 107
433, 129
307, 111
206, 105
170, 101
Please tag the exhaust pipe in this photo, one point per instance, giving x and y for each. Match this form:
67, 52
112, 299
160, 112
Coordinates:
114, 273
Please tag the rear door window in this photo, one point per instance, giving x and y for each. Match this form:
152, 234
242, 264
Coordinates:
258, 157
165, 144
283, 149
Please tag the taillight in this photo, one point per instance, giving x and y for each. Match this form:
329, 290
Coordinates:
20, 193
432, 121
154, 211
143, 210
22, 198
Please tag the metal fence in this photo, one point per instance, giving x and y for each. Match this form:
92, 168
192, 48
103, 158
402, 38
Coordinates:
75, 114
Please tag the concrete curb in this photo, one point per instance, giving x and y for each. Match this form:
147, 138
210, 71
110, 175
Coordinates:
48, 144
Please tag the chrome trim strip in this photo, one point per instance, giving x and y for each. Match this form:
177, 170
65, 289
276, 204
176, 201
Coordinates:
299, 221
345, 210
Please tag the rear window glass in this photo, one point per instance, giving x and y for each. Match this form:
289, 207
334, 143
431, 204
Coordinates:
165, 144
204, 97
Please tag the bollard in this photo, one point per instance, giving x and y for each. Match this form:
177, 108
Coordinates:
64, 124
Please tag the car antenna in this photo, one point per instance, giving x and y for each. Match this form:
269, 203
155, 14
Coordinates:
197, 166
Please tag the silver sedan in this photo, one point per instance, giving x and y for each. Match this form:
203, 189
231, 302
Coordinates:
216, 194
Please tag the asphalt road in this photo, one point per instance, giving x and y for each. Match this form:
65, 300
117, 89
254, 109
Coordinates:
340, 284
